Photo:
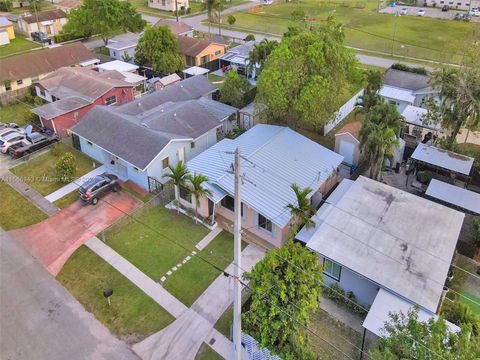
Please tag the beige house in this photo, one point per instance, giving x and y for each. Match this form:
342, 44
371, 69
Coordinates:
6, 31
49, 22
269, 166
199, 52
168, 5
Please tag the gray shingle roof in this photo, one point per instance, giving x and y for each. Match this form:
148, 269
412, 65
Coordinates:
406, 80
60, 107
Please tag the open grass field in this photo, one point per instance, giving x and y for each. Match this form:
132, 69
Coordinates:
17, 46
132, 315
17, 113
16, 211
427, 38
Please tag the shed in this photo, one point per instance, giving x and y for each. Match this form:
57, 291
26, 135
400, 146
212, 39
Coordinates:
347, 142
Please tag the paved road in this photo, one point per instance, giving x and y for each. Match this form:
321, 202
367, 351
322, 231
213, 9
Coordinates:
40, 320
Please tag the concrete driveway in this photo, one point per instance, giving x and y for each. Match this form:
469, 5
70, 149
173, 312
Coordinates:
55, 239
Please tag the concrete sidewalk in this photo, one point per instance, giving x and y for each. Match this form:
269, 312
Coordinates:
208, 238
74, 185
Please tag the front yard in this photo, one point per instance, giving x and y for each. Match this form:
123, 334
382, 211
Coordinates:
16, 211
132, 315
17, 113
40, 174
17, 46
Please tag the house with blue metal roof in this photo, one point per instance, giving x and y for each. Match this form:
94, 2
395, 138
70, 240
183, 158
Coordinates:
273, 158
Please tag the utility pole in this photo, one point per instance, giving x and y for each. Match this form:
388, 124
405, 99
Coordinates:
237, 239
176, 9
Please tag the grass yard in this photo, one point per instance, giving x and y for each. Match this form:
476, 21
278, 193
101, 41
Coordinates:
39, 172
207, 353
421, 37
472, 301
215, 79
149, 251
17, 46
193, 278
17, 113
44, 6
16, 211
69, 199
132, 315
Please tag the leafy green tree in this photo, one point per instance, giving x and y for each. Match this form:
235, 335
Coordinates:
260, 52
285, 289
178, 174
126, 57
461, 314
302, 209
158, 47
407, 338
197, 189
35, 5
249, 37
385, 114
103, 17
231, 20
233, 89
66, 167
298, 15
6, 5
305, 76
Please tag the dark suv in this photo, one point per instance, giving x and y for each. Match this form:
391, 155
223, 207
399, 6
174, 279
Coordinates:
97, 187
36, 141
40, 37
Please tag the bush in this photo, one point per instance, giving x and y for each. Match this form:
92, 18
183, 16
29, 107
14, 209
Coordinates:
415, 70
249, 37
6, 5
461, 314
66, 167
337, 294
231, 19
59, 38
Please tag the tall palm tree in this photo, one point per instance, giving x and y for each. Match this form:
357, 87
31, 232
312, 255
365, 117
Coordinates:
178, 175
210, 6
220, 7
197, 189
260, 53
302, 209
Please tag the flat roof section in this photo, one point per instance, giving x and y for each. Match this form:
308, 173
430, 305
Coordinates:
444, 159
454, 195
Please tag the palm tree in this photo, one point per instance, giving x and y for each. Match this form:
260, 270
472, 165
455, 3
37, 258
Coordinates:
197, 190
302, 209
177, 174
210, 6
260, 53
220, 7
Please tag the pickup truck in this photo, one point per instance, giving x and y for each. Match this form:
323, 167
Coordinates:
36, 141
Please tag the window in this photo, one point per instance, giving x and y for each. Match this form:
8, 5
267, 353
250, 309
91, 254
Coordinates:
135, 168
114, 54
228, 202
89, 143
42, 92
8, 86
204, 59
218, 52
163, 2
111, 100
264, 223
192, 145
19, 82
332, 269
165, 163
185, 194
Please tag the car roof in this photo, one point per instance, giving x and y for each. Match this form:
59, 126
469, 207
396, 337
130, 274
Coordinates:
93, 181
12, 135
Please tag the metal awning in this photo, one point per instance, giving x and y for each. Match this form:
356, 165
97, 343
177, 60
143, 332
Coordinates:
454, 195
397, 94
444, 159
414, 115
196, 70
386, 303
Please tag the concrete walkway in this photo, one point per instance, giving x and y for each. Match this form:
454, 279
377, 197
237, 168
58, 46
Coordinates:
147, 285
208, 238
74, 185
32, 195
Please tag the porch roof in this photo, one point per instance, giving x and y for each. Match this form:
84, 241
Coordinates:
397, 94
444, 159
414, 115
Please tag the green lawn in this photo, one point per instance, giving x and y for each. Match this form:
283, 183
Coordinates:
146, 249
422, 37
68, 199
18, 113
215, 78
132, 315
470, 300
44, 6
39, 172
16, 211
206, 353
191, 280
16, 46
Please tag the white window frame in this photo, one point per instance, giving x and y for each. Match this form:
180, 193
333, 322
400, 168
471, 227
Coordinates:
266, 224
330, 272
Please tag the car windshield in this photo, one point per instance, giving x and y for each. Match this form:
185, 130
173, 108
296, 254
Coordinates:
90, 182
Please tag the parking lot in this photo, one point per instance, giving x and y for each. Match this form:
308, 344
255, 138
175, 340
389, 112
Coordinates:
429, 12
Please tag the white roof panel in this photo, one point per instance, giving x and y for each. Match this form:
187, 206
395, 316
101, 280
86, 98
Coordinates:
398, 240
454, 195
196, 70
414, 115
118, 65
386, 303
132, 78
442, 158
397, 93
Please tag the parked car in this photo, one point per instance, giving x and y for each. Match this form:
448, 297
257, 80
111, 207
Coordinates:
8, 125
421, 12
10, 140
474, 12
445, 8
458, 16
404, 11
92, 190
40, 37
7, 131
36, 141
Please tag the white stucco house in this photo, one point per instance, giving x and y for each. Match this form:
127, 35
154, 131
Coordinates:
392, 249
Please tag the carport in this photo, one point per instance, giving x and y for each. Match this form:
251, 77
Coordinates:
454, 195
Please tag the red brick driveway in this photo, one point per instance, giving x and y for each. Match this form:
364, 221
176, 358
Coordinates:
53, 241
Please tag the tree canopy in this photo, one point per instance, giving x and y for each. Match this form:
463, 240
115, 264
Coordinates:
103, 17
306, 76
158, 48
233, 89
261, 52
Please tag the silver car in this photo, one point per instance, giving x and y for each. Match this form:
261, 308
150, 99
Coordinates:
12, 139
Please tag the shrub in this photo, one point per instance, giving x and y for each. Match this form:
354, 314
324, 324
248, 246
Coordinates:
337, 294
59, 38
66, 167
461, 314
6, 5
56, 150
249, 37
231, 19
415, 70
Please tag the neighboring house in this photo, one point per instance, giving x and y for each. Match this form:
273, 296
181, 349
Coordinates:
455, 4
68, 5
390, 248
18, 72
178, 28
6, 31
199, 52
168, 5
237, 59
139, 144
49, 22
122, 47
273, 158
72, 92
403, 88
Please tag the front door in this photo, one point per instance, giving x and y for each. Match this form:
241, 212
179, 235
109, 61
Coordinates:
210, 207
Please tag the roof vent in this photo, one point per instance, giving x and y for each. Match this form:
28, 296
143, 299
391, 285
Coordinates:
174, 114
139, 104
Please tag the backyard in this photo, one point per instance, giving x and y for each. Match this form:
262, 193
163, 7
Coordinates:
16, 211
17, 46
132, 314
440, 40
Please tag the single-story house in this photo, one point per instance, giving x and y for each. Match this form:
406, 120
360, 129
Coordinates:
168, 5
6, 31
68, 5
18, 72
122, 47
178, 28
390, 248
269, 165
237, 59
49, 22
199, 52
71, 92
403, 88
